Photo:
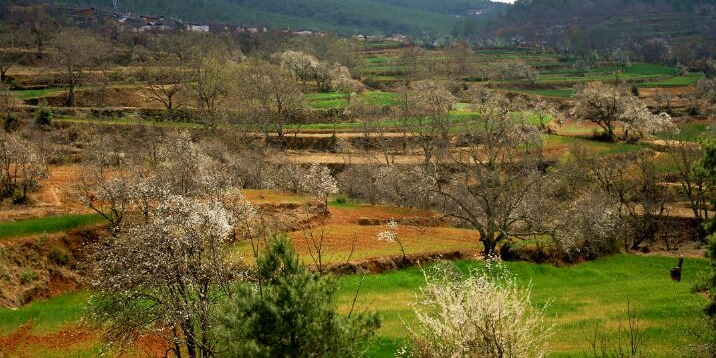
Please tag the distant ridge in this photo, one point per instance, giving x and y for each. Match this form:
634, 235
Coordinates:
346, 17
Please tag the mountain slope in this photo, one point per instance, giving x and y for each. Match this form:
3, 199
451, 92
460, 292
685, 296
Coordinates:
676, 20
344, 16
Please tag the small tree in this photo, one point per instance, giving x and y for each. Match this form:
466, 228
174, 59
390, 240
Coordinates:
621, 58
483, 315
43, 114
165, 86
290, 312
390, 235
22, 165
608, 106
317, 180
7, 106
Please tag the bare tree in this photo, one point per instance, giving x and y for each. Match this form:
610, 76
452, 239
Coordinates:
601, 346
39, 24
634, 182
275, 97
497, 187
211, 83
10, 52
426, 113
71, 57
165, 85
692, 178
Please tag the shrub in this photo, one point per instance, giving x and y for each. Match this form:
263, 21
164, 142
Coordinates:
635, 90
11, 123
4, 274
43, 116
58, 256
28, 275
483, 314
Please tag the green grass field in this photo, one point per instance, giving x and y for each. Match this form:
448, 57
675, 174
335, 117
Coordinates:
46, 316
577, 297
36, 93
47, 225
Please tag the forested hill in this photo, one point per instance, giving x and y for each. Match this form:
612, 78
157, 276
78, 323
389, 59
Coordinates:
344, 16
668, 19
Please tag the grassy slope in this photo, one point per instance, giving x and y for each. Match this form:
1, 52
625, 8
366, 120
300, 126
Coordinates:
577, 298
47, 225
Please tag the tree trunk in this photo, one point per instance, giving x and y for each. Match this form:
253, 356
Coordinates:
70, 95
190, 340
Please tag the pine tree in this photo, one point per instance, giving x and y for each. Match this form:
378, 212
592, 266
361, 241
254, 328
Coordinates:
290, 312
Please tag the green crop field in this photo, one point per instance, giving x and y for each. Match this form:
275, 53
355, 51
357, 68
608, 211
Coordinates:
47, 225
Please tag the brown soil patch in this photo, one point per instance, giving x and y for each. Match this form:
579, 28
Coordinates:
55, 197
351, 233
674, 91
16, 342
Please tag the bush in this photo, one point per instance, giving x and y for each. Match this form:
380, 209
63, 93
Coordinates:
482, 314
28, 275
4, 275
11, 123
635, 90
43, 116
58, 256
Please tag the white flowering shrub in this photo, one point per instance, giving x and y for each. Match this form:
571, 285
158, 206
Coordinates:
187, 170
591, 226
301, 65
315, 180
328, 76
318, 181
484, 314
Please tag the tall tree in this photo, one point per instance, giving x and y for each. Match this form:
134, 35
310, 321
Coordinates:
497, 188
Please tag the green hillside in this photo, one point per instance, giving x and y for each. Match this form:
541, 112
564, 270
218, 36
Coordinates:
343, 16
